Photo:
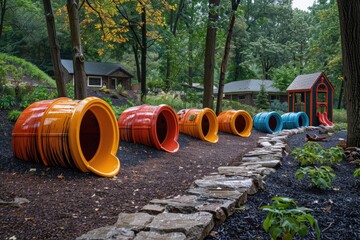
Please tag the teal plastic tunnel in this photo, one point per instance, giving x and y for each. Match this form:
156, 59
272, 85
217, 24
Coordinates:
269, 122
295, 120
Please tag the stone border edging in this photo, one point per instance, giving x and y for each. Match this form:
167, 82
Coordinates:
209, 201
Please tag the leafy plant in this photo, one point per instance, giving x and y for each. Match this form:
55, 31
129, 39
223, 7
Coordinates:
313, 153
320, 177
38, 94
285, 219
357, 172
14, 115
7, 102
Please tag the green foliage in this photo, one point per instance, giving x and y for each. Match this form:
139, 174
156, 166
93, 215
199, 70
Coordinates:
14, 115
357, 172
278, 106
283, 76
118, 109
70, 90
321, 177
285, 219
37, 94
262, 100
340, 126
339, 116
228, 105
7, 102
313, 153
20, 67
172, 100
9, 89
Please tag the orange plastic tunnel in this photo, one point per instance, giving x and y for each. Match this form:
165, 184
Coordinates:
199, 123
81, 134
237, 122
155, 126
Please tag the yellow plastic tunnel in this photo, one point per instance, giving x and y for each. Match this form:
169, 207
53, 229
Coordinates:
199, 123
237, 122
81, 134
155, 126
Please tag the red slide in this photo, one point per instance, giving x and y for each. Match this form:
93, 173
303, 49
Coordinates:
324, 119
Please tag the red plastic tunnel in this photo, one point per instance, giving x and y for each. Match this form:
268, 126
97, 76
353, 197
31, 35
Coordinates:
155, 126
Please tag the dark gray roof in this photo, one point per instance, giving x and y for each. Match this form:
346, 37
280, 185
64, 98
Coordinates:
304, 82
251, 85
96, 68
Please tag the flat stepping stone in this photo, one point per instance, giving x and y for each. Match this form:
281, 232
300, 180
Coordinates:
158, 236
239, 195
194, 226
107, 233
267, 163
134, 221
220, 208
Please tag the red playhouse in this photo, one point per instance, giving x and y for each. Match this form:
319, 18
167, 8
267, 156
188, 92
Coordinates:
312, 94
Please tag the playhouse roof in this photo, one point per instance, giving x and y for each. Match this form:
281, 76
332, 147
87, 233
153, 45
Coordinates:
304, 82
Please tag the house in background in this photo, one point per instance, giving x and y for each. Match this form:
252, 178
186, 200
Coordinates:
100, 74
245, 91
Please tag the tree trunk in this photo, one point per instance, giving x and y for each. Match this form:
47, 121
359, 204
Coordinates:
2, 17
224, 61
209, 63
341, 93
143, 55
349, 14
54, 49
78, 57
137, 63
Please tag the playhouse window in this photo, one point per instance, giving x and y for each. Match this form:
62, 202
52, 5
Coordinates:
321, 97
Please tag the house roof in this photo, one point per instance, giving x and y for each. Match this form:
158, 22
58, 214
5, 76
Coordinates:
304, 82
251, 85
96, 68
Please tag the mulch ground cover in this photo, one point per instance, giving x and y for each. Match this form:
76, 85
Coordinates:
337, 210
65, 203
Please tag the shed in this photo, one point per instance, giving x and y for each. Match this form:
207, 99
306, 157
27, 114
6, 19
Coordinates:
101, 74
313, 94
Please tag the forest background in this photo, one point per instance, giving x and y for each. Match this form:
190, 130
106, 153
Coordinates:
270, 40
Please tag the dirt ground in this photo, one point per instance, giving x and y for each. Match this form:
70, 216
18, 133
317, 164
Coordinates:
336, 210
65, 203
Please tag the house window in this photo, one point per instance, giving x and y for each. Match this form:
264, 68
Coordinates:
94, 81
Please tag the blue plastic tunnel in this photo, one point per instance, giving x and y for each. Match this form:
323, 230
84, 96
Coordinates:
269, 122
295, 120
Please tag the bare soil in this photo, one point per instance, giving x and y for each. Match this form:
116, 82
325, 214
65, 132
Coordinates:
66, 203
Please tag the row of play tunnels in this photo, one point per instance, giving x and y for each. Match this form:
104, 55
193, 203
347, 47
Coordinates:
85, 134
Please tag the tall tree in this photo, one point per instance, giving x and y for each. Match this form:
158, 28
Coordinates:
2, 15
54, 49
78, 56
209, 63
349, 15
234, 7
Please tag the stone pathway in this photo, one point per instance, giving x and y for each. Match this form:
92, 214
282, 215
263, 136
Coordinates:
208, 201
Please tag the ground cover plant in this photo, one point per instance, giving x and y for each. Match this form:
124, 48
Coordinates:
285, 219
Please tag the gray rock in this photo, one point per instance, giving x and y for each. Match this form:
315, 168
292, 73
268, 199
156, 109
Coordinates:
194, 226
153, 209
108, 233
239, 195
134, 221
220, 208
158, 236
265, 163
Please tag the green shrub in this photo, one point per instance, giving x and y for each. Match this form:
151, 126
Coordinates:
357, 172
9, 89
228, 105
338, 126
14, 115
285, 219
7, 102
313, 153
320, 177
339, 116
70, 90
37, 94
279, 107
